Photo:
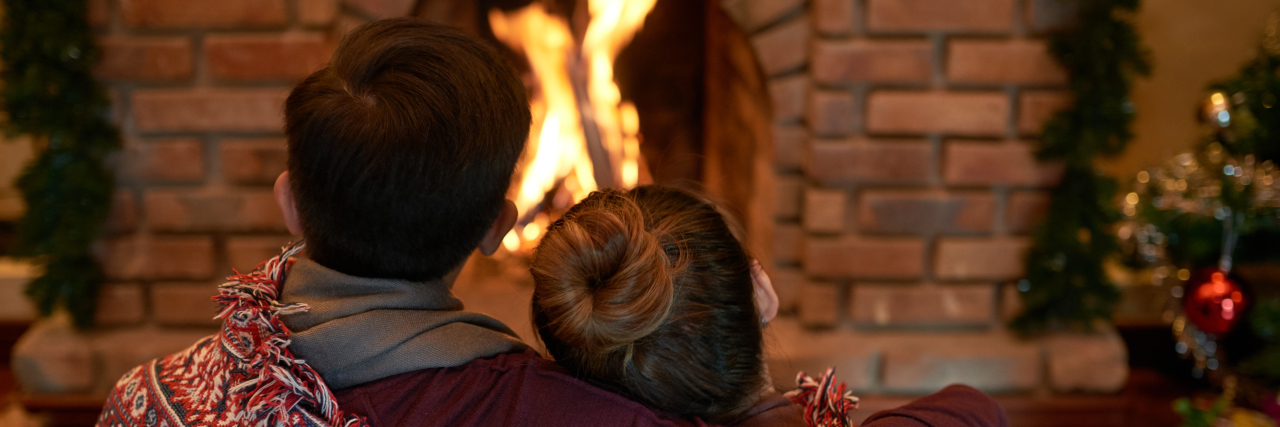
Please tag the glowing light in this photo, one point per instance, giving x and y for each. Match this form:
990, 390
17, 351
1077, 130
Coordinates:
1132, 198
556, 141
630, 144
531, 232
557, 153
511, 242
1217, 99
1143, 177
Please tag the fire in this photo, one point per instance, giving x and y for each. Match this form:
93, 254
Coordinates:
570, 117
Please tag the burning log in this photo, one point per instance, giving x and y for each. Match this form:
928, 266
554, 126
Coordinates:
583, 136
601, 163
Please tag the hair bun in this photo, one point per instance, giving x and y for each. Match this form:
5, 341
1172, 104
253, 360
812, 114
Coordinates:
609, 280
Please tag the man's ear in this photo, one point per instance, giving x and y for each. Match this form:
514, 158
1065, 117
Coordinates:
493, 238
766, 298
284, 199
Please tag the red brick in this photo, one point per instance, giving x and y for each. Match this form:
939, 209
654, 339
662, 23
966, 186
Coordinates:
245, 253
783, 48
791, 348
753, 14
202, 110
383, 9
1036, 107
940, 15
1095, 362
184, 304
253, 161
123, 217
880, 161
193, 14
991, 362
925, 212
120, 304
1010, 302
164, 160
1025, 210
317, 12
346, 23
788, 95
1006, 163
144, 58
864, 258
980, 259
833, 16
158, 257
963, 113
818, 304
98, 13
787, 283
927, 305
789, 145
272, 57
186, 210
789, 194
832, 113
877, 61
824, 210
788, 240
999, 62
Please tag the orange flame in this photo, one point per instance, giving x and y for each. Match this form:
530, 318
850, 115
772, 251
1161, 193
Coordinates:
557, 148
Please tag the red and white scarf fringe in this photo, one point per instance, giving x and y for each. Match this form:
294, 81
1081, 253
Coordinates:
826, 402
283, 382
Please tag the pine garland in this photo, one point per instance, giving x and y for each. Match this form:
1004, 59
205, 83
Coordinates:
1066, 286
49, 93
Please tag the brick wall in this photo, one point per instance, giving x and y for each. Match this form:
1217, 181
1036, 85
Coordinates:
904, 132
905, 136
904, 140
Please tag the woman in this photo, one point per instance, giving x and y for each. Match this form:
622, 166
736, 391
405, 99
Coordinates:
649, 292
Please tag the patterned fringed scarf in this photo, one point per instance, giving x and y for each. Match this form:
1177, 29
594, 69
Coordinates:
244, 375
826, 402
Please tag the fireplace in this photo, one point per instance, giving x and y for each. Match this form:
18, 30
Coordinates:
682, 70
685, 72
877, 151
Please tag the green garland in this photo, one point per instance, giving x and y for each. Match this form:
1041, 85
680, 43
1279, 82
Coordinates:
49, 93
1066, 286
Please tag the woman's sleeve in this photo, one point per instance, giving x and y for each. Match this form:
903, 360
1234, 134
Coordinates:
954, 406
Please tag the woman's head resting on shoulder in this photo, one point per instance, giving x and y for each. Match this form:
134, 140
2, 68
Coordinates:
650, 291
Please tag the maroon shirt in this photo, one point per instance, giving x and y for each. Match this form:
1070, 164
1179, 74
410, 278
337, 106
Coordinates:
522, 389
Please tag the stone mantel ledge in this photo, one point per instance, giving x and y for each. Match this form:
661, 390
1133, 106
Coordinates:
915, 363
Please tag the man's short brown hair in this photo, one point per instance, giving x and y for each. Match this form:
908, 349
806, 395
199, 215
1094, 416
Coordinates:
402, 149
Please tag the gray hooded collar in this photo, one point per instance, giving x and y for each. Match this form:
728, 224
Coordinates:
360, 329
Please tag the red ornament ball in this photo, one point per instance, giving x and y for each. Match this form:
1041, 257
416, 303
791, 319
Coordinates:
1213, 301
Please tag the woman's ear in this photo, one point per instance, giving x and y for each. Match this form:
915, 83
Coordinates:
766, 298
493, 238
284, 199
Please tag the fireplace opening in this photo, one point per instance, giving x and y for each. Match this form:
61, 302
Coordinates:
702, 111
690, 75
